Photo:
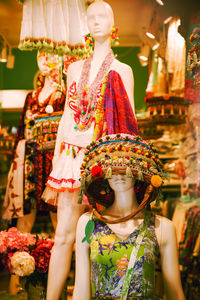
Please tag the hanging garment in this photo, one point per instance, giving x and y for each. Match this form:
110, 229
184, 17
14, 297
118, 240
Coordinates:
176, 57
13, 202
54, 26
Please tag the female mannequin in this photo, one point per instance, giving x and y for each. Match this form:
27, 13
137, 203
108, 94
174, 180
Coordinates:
43, 102
77, 128
104, 252
48, 103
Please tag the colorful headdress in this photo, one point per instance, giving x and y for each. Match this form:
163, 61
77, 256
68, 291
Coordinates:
121, 154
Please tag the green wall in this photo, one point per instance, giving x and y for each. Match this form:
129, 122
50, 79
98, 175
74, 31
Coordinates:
128, 55
21, 77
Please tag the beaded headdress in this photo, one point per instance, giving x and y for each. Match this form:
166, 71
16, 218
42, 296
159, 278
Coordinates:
120, 154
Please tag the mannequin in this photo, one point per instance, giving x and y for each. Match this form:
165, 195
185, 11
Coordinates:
77, 128
104, 252
31, 165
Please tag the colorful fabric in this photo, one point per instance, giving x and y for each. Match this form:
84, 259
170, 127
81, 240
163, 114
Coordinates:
113, 112
37, 162
109, 256
118, 113
189, 254
13, 201
190, 233
114, 101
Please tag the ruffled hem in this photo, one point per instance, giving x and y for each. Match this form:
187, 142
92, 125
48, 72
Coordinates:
50, 196
62, 189
65, 175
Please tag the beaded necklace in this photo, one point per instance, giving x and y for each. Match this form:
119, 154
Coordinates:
86, 96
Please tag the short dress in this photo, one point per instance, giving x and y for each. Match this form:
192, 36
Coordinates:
38, 130
109, 258
113, 114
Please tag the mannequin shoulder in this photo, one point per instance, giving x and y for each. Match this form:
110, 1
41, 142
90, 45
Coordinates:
123, 69
165, 229
74, 67
84, 218
73, 72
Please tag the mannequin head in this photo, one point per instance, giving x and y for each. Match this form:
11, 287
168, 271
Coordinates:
118, 163
121, 183
100, 20
50, 65
42, 63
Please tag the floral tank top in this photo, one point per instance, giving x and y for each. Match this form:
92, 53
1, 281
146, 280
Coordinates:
109, 256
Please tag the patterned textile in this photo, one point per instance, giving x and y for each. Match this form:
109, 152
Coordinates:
109, 256
13, 201
189, 254
116, 115
37, 162
113, 114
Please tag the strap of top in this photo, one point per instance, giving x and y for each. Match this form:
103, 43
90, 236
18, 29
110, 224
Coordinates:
133, 257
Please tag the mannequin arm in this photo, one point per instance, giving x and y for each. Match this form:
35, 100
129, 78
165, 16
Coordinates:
82, 276
62, 126
169, 261
59, 138
128, 80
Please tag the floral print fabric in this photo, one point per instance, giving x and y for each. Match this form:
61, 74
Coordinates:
109, 256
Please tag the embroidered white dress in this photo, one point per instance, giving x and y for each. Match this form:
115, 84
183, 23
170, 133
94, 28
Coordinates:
69, 151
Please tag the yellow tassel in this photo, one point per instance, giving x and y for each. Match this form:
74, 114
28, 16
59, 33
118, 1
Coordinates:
108, 173
140, 176
129, 173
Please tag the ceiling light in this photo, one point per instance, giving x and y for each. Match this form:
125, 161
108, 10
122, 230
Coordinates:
143, 62
152, 30
155, 46
143, 56
150, 35
160, 2
167, 20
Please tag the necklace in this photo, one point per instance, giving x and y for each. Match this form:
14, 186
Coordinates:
86, 96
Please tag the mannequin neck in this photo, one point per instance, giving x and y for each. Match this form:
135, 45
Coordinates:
125, 202
101, 49
47, 89
48, 83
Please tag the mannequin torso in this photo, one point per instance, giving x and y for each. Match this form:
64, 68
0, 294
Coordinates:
124, 70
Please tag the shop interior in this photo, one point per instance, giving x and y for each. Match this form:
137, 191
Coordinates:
160, 41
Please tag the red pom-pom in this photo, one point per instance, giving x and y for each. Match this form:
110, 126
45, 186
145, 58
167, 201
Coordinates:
166, 96
96, 171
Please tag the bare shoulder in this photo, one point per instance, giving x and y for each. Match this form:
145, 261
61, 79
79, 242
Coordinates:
73, 67
74, 71
122, 67
84, 218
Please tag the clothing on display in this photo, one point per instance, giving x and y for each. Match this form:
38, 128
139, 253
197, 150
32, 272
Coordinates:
37, 162
110, 255
54, 26
192, 82
176, 56
187, 218
103, 106
159, 84
123, 253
